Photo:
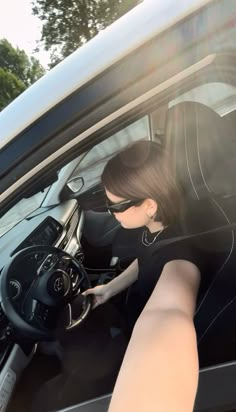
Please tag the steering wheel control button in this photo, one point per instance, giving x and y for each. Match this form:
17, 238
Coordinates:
59, 284
49, 262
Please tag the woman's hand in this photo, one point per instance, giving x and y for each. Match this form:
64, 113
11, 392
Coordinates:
101, 294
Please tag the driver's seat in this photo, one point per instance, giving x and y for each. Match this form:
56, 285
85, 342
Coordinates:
204, 166
203, 146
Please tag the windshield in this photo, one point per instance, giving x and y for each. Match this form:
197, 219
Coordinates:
22, 209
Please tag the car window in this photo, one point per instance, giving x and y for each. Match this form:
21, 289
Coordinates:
90, 168
220, 97
21, 210
92, 164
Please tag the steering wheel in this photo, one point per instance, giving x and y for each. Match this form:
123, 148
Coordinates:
40, 292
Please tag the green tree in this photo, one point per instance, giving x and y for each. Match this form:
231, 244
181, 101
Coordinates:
17, 72
67, 24
10, 87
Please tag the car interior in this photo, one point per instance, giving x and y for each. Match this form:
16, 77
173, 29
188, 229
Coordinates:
66, 369
56, 354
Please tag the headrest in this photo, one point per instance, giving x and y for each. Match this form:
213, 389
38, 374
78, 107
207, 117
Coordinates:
203, 148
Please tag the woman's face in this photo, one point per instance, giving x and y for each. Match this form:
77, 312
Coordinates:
134, 216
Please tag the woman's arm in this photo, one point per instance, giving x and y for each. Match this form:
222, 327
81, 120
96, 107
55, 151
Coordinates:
124, 280
160, 368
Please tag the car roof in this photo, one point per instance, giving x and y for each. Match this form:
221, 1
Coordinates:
125, 35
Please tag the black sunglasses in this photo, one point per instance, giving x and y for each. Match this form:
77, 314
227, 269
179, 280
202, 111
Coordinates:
121, 207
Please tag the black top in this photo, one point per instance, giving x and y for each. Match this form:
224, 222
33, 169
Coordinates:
152, 259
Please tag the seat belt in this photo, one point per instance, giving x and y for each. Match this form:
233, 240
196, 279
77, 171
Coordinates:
169, 241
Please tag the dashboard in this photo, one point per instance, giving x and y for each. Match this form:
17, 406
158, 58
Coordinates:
59, 226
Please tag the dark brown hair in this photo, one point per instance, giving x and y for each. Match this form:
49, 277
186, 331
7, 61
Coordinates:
141, 171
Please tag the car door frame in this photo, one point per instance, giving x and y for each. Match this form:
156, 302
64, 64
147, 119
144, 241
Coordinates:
103, 106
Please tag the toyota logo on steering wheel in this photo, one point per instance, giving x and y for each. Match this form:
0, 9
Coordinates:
58, 284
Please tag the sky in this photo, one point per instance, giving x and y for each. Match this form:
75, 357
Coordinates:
21, 28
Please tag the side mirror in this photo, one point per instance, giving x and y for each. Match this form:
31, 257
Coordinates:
72, 188
75, 184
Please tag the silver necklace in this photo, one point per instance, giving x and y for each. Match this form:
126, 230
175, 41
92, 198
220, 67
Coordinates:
145, 240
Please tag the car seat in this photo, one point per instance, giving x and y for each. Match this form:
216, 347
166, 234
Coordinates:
203, 149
